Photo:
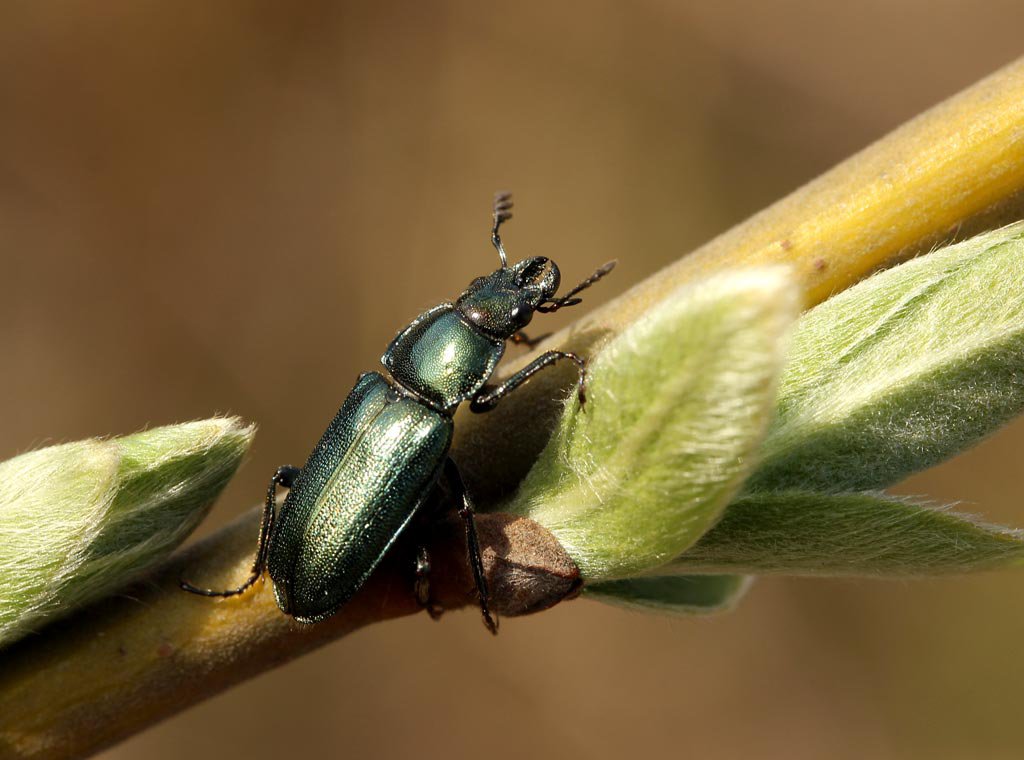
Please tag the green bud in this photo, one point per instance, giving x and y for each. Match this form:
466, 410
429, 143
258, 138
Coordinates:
678, 404
901, 371
81, 519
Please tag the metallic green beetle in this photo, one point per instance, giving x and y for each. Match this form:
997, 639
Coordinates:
387, 448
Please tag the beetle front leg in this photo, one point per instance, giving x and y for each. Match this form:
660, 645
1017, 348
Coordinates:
522, 339
488, 398
285, 477
454, 477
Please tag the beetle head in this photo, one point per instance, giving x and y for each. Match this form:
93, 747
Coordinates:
503, 302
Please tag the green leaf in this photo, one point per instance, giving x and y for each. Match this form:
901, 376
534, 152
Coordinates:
860, 534
901, 371
79, 520
679, 594
678, 404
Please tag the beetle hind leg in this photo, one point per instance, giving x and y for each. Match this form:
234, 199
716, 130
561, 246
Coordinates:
285, 477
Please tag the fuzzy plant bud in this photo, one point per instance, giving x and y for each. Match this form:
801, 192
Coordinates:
79, 520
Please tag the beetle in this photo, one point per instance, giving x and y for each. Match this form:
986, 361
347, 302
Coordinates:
386, 450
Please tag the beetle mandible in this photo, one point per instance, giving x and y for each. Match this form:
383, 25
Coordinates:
387, 448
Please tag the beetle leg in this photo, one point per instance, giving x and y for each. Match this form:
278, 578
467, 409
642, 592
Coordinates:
489, 397
285, 477
451, 472
522, 339
422, 586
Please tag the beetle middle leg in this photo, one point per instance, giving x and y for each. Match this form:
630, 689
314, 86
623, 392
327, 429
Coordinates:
285, 477
422, 584
489, 397
454, 478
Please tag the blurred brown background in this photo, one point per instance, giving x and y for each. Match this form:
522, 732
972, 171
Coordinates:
232, 207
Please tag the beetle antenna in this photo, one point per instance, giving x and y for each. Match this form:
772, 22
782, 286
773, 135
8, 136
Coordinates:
502, 213
567, 300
